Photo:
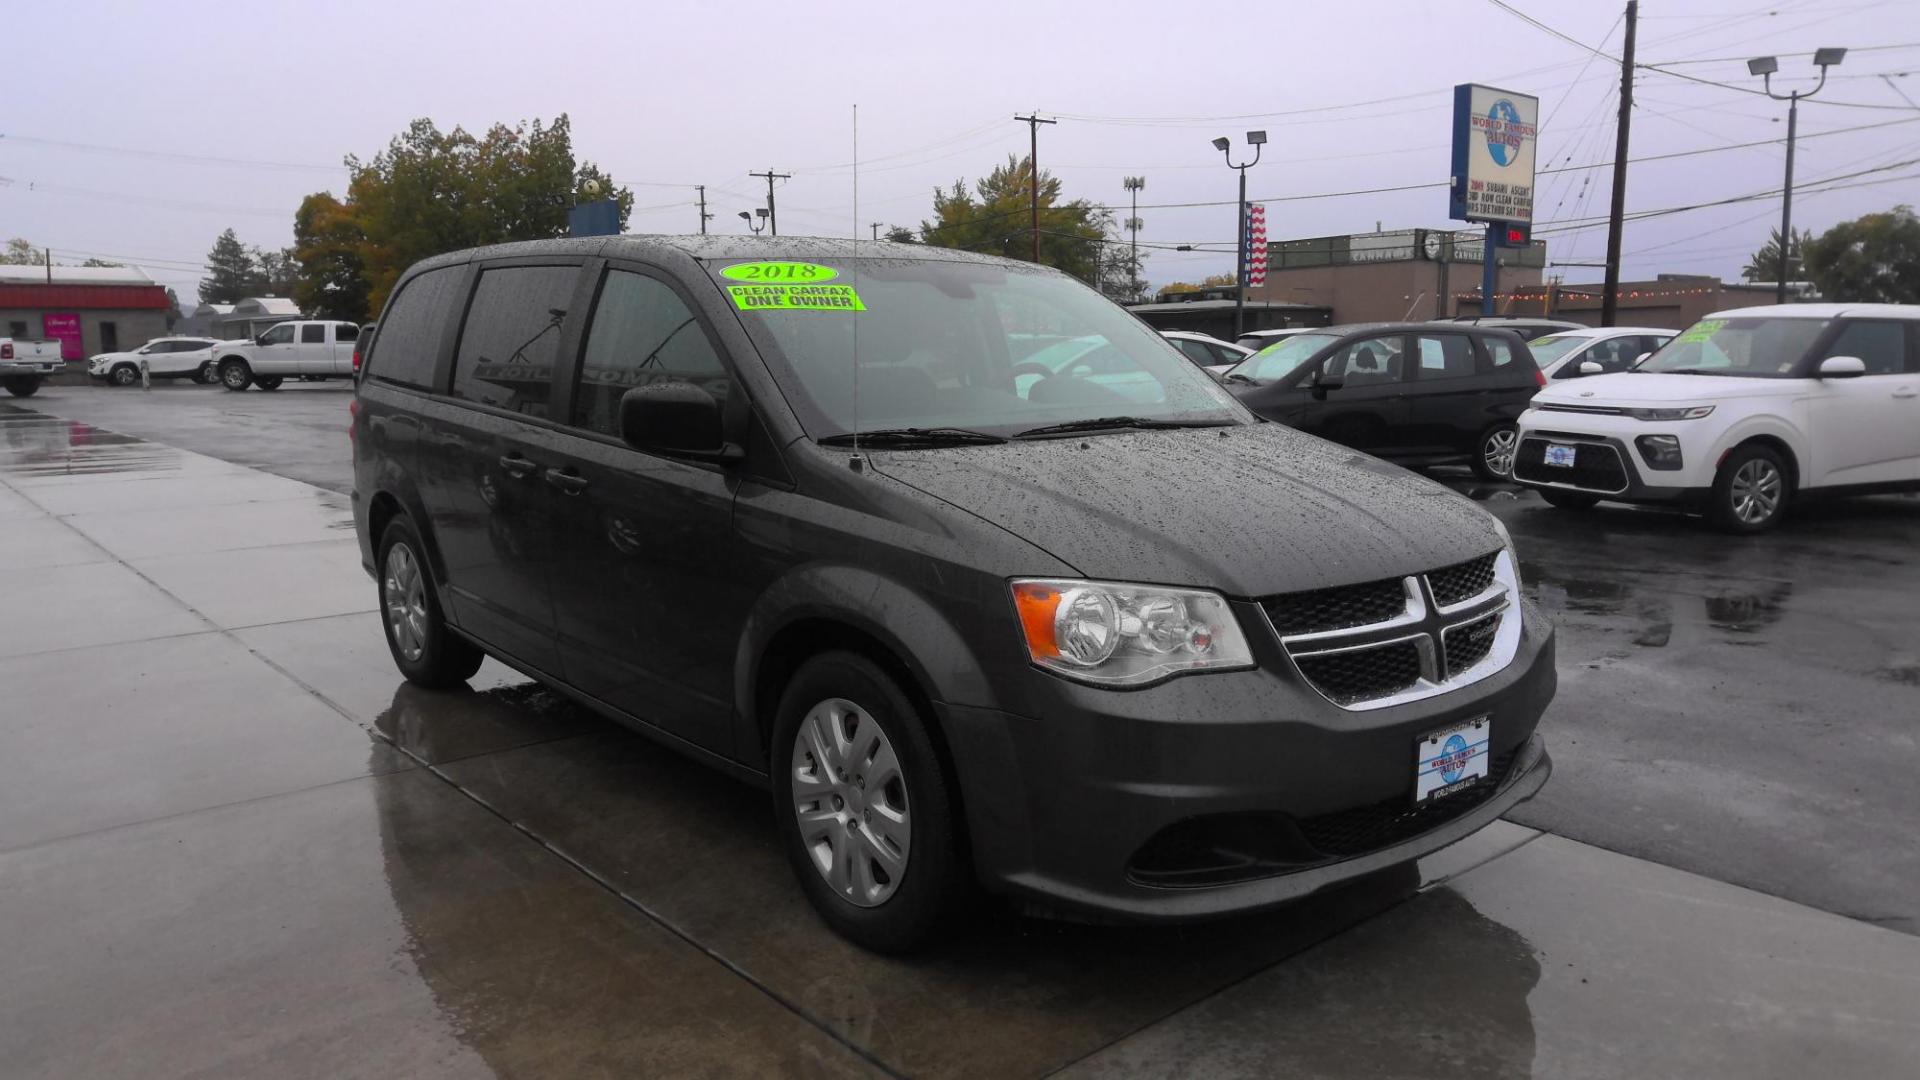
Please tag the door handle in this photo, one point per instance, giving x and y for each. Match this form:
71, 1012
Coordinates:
520, 468
571, 483
1905, 391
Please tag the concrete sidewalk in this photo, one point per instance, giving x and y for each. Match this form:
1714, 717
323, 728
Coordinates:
233, 841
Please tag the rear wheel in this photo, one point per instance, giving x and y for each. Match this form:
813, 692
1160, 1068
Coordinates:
22, 385
1568, 500
124, 375
425, 650
1494, 460
236, 375
864, 808
1751, 492
207, 375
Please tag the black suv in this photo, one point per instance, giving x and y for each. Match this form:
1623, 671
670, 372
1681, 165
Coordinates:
1414, 393
795, 508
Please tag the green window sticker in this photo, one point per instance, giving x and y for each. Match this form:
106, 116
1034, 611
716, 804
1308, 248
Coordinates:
795, 297
802, 272
1702, 331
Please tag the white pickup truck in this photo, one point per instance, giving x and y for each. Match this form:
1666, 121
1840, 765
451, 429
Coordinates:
24, 363
312, 349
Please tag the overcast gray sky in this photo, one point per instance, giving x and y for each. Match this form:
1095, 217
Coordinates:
1355, 95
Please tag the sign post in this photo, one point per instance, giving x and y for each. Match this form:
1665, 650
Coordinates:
1496, 134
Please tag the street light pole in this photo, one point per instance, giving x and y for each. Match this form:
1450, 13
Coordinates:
1255, 139
1765, 67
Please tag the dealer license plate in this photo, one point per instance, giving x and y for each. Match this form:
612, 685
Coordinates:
1452, 759
1560, 455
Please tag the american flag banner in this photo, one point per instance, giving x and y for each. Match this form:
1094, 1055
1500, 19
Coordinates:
1256, 244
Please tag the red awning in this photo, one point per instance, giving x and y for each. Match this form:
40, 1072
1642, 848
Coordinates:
84, 297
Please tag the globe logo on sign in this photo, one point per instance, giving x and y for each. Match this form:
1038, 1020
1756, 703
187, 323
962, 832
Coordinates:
1502, 146
1453, 758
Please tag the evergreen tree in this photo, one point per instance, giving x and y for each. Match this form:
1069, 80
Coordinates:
231, 273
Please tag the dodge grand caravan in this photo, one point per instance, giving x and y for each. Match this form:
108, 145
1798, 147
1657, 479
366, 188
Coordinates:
792, 508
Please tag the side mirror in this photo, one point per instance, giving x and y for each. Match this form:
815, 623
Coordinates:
1591, 367
675, 418
261, 340
1842, 367
1321, 384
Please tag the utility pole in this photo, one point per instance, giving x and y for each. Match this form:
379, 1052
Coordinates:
773, 218
876, 230
1134, 185
704, 216
1033, 165
1610, 299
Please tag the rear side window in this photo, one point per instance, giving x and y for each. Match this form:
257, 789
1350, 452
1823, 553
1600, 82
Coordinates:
512, 337
345, 332
642, 333
1445, 356
1882, 346
411, 328
313, 334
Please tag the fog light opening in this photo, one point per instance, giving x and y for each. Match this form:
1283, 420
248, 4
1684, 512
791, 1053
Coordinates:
1660, 451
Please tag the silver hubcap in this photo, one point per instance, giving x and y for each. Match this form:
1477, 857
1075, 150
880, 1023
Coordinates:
404, 592
1756, 491
1499, 451
851, 802
234, 376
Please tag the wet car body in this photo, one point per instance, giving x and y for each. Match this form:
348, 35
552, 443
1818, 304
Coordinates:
681, 595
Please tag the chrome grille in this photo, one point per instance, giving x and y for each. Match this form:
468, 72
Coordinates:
1390, 640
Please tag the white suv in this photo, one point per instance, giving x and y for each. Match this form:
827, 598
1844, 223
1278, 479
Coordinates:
1739, 415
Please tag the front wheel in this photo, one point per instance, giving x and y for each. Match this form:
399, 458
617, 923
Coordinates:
22, 385
863, 806
1751, 491
124, 375
1494, 460
236, 375
425, 650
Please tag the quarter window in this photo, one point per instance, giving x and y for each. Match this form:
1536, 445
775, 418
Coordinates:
412, 329
512, 337
642, 333
1500, 350
1882, 346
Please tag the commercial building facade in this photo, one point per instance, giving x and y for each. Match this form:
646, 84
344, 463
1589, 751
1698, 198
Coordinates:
1389, 276
88, 309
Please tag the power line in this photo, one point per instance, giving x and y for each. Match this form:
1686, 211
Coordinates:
172, 155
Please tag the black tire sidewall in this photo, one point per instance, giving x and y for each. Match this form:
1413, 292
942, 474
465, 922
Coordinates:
938, 877
1720, 509
22, 386
268, 382
1568, 500
445, 659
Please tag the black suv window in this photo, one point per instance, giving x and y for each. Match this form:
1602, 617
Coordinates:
1881, 345
641, 333
1445, 356
1368, 362
512, 337
410, 339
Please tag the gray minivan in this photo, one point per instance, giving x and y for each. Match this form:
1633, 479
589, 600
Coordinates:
796, 509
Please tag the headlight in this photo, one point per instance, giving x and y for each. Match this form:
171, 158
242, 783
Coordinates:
1113, 634
1691, 412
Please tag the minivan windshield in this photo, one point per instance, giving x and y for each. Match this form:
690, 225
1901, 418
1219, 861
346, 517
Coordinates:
1755, 348
884, 344
1276, 360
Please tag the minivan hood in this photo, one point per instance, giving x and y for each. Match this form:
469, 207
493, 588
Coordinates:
1649, 388
1250, 511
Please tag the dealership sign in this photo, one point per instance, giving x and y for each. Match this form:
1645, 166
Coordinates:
1495, 135
64, 327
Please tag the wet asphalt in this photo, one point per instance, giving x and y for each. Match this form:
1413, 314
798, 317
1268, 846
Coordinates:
233, 841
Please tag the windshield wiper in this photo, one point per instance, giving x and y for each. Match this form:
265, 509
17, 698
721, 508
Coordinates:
913, 436
1234, 376
1108, 422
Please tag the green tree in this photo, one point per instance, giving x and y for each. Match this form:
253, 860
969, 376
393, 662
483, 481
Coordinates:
21, 252
231, 274
328, 246
1764, 265
900, 234
1212, 281
430, 192
1871, 259
100, 262
995, 217
275, 273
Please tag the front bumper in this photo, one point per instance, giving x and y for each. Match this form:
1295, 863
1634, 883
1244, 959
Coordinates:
1619, 468
1089, 807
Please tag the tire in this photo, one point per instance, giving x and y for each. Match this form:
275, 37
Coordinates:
123, 375
425, 650
235, 375
840, 720
1751, 491
22, 385
268, 382
207, 375
1493, 455
1568, 500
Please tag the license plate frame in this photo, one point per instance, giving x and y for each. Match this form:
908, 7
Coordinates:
1452, 759
1561, 455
